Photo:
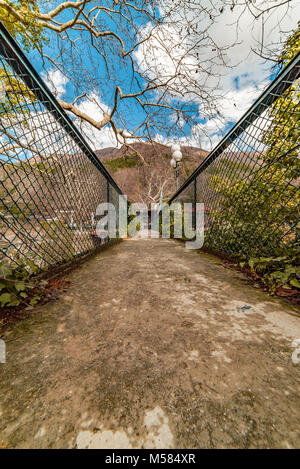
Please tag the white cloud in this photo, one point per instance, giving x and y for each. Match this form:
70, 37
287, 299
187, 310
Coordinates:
179, 119
93, 106
233, 105
163, 56
99, 138
236, 26
56, 81
162, 140
237, 102
105, 137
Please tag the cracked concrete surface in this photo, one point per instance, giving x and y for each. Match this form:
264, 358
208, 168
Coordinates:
152, 346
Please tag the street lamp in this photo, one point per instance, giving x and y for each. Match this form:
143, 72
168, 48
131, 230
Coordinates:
176, 158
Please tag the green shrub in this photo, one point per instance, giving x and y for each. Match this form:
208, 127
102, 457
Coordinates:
276, 272
129, 161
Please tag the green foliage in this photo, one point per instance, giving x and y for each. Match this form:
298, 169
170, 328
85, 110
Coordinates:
58, 242
130, 218
15, 285
129, 161
174, 221
226, 164
292, 47
30, 34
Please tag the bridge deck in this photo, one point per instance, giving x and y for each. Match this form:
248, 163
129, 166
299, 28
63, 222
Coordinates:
152, 346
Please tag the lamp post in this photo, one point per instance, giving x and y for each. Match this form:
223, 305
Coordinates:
176, 158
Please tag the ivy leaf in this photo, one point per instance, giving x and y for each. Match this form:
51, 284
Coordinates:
14, 302
5, 270
34, 300
2, 285
252, 263
5, 298
295, 283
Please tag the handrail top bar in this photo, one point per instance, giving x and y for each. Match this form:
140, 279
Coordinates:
42, 91
245, 120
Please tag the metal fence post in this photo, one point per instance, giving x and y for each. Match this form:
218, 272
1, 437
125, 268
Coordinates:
107, 199
194, 203
107, 191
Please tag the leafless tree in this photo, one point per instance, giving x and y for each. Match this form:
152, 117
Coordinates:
157, 181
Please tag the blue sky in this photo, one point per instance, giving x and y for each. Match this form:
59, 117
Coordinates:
240, 84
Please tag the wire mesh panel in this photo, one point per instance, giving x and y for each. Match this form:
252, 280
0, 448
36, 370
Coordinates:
51, 181
249, 183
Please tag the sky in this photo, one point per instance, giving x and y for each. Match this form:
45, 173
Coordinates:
241, 82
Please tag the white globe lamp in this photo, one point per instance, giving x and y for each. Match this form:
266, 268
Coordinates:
173, 163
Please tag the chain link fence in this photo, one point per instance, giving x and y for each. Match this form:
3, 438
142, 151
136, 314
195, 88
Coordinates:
249, 183
51, 180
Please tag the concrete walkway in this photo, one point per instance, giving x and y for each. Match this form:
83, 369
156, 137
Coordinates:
152, 346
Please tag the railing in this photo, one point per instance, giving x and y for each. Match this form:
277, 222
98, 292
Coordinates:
51, 180
249, 182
